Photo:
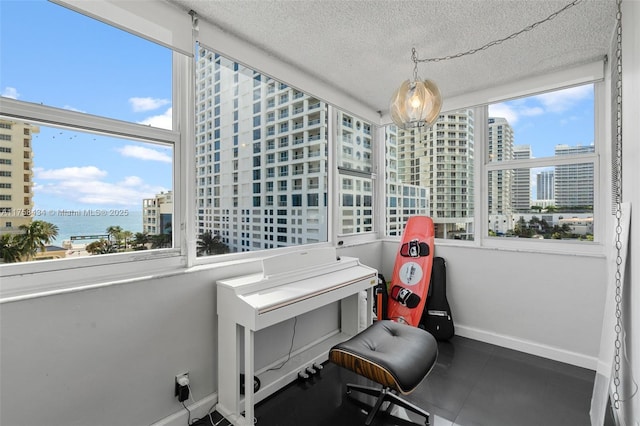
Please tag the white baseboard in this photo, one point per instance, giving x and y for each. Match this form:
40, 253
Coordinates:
529, 347
198, 409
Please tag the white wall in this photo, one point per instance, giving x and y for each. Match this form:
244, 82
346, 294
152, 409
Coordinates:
108, 356
545, 304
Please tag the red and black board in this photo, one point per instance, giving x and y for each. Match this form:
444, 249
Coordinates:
409, 283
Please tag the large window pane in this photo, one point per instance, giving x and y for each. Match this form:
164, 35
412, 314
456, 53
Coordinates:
430, 172
88, 193
355, 165
76, 176
541, 123
57, 57
257, 134
550, 194
553, 202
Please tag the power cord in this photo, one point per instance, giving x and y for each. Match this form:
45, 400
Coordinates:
189, 422
295, 322
188, 411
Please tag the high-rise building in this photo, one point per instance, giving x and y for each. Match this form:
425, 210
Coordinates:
500, 182
439, 159
405, 196
157, 214
544, 185
500, 148
16, 175
574, 182
521, 184
262, 158
355, 165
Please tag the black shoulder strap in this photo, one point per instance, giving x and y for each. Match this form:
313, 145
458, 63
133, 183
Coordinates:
381, 288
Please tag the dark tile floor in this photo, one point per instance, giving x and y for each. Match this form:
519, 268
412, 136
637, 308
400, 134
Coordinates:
472, 384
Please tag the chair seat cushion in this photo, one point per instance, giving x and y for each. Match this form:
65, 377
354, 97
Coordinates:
395, 355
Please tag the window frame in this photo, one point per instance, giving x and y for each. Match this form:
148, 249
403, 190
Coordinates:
595, 73
338, 118
28, 278
484, 166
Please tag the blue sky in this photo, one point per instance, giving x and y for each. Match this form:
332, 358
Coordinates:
546, 120
64, 59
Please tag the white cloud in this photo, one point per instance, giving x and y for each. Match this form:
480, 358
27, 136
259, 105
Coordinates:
81, 173
147, 104
163, 121
530, 111
505, 111
552, 102
86, 185
143, 153
131, 181
562, 100
10, 92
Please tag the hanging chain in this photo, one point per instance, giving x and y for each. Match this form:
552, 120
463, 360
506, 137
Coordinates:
618, 197
495, 42
414, 58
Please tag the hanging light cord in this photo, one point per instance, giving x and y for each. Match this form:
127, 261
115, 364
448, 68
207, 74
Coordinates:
414, 58
499, 41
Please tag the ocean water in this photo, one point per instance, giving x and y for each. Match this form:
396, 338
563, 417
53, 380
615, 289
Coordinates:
92, 223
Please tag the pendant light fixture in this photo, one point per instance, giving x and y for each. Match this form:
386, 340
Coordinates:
416, 103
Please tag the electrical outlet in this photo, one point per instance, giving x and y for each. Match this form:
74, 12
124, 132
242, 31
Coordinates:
182, 386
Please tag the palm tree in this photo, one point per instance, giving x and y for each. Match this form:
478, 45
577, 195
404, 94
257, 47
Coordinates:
140, 240
100, 247
49, 231
9, 248
115, 233
211, 244
161, 241
164, 239
35, 237
126, 235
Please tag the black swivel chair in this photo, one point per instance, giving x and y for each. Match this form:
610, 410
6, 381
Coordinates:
397, 356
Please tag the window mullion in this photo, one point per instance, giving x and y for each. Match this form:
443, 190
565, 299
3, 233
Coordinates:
480, 216
58, 117
541, 162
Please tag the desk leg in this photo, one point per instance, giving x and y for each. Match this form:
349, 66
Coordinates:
370, 296
350, 314
248, 375
228, 367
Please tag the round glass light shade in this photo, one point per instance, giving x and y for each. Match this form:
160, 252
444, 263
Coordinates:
416, 104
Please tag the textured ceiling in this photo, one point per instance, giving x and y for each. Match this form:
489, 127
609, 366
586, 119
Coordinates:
363, 47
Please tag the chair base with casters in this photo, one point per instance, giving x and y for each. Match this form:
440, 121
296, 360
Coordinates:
397, 356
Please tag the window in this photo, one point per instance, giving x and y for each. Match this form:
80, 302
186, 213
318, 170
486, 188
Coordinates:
85, 175
425, 180
257, 125
355, 168
550, 193
93, 73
